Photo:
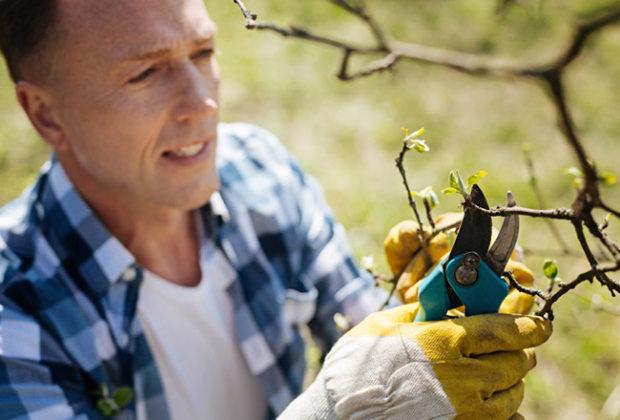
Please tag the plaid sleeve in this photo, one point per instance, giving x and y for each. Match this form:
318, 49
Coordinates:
37, 380
324, 262
327, 264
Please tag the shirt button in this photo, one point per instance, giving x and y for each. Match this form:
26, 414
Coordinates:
123, 340
129, 274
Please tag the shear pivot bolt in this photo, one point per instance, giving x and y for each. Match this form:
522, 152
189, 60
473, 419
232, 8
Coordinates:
467, 274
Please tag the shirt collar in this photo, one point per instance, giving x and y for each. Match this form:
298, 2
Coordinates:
88, 251
218, 208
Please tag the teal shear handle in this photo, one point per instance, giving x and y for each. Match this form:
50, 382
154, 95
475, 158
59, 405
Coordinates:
463, 280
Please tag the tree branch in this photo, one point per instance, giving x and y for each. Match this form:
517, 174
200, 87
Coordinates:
609, 209
251, 22
523, 289
550, 75
583, 32
559, 213
361, 12
598, 232
547, 311
601, 276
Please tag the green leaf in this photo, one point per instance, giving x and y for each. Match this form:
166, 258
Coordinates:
432, 199
449, 190
426, 190
122, 396
476, 177
578, 183
103, 391
550, 268
574, 171
608, 179
420, 146
107, 407
462, 185
417, 133
427, 195
412, 141
577, 175
412, 136
454, 183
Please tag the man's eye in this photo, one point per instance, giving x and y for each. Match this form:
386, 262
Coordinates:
204, 53
143, 76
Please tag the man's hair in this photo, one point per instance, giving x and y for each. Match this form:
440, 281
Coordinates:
24, 25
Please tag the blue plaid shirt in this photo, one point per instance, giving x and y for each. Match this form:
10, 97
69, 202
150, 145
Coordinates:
69, 289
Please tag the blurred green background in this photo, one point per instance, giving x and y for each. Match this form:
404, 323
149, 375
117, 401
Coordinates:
348, 134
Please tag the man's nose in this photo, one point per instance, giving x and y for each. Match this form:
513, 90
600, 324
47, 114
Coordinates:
198, 93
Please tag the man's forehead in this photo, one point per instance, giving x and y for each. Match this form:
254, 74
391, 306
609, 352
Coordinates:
127, 25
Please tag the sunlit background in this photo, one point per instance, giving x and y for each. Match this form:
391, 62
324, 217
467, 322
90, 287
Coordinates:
348, 134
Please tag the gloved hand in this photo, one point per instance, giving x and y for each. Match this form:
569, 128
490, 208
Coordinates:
391, 367
403, 252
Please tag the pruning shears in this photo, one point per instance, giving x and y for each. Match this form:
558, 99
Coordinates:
471, 275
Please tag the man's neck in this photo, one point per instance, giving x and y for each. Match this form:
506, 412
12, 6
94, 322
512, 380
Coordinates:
163, 240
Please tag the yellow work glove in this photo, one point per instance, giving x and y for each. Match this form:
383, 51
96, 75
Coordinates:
391, 367
404, 256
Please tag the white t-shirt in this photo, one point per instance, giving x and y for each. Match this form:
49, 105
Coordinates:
190, 331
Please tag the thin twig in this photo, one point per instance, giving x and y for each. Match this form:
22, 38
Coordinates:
420, 232
555, 232
437, 231
381, 279
598, 233
390, 295
559, 213
609, 209
251, 22
429, 214
551, 286
564, 288
556, 89
363, 14
378, 277
523, 289
600, 275
403, 174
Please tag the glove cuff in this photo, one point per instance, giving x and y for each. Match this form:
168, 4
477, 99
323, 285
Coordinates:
314, 403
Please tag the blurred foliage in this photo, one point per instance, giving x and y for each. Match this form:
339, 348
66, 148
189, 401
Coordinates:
348, 134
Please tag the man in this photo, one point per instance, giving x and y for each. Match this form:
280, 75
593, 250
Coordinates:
163, 263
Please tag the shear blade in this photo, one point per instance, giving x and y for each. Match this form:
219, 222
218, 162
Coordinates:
475, 232
500, 252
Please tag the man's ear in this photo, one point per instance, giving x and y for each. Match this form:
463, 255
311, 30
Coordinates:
41, 109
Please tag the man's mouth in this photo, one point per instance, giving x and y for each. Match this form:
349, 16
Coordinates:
186, 151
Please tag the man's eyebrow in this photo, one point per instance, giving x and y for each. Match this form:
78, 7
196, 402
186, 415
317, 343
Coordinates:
163, 52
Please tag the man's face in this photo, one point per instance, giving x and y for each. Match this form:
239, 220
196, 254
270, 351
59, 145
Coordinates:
137, 90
